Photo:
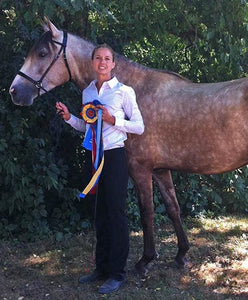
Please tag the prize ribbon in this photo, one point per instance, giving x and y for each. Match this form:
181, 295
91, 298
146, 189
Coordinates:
93, 142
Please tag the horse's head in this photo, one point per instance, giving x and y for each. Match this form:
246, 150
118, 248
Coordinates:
43, 69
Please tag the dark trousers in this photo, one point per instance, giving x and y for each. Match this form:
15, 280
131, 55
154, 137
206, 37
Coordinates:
111, 224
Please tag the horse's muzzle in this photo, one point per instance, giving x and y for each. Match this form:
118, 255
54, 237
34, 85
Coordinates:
20, 95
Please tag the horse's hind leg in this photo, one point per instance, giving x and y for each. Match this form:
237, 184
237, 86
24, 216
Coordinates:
164, 180
143, 183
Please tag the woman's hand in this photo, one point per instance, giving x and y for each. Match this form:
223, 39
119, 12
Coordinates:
63, 111
106, 116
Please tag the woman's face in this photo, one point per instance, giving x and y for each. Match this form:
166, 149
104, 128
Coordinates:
102, 62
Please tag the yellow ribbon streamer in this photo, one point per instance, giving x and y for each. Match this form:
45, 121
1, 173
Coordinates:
93, 179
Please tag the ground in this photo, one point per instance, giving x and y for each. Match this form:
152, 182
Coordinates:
218, 265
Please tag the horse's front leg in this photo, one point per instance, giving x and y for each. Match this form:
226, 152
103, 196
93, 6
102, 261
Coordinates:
164, 180
143, 183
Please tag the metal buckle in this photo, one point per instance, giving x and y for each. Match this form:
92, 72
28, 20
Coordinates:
38, 84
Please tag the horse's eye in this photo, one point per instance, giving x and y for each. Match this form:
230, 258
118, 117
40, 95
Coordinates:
42, 53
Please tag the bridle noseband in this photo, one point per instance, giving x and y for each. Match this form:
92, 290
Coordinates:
38, 83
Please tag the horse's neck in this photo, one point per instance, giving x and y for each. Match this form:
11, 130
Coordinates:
80, 50
79, 59
129, 72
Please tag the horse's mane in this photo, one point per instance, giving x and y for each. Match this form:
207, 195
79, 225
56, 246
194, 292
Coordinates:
174, 74
142, 67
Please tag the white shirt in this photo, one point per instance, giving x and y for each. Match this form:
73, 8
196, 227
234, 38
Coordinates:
120, 100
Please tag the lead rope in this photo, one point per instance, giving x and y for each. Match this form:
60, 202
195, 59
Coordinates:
96, 198
93, 141
55, 128
93, 241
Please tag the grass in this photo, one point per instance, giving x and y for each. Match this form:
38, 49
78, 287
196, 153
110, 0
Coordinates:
218, 265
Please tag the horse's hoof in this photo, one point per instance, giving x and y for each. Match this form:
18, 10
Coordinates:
141, 267
141, 270
180, 263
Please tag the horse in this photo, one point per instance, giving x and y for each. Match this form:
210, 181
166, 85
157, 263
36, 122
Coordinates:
193, 127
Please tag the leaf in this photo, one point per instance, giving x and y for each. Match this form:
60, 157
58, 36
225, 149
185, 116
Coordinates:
3, 145
160, 209
85, 225
59, 236
43, 212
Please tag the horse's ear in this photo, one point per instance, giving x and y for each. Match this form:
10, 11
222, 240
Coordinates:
44, 25
49, 26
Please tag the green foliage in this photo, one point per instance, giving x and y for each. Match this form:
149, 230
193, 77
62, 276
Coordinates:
39, 183
214, 194
133, 213
132, 209
31, 176
38, 193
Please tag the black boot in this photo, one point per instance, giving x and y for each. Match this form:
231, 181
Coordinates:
95, 276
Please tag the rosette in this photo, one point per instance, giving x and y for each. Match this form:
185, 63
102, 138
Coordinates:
93, 142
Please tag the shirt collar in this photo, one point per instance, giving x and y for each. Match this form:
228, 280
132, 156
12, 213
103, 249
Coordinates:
111, 83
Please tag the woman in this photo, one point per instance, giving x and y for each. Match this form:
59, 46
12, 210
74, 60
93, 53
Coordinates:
120, 115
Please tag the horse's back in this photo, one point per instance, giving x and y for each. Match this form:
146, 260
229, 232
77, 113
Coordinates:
200, 128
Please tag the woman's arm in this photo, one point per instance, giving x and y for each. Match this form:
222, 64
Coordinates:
75, 122
134, 121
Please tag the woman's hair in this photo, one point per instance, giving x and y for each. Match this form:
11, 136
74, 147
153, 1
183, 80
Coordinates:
103, 46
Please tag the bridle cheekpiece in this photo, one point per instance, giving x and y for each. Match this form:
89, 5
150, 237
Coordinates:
38, 83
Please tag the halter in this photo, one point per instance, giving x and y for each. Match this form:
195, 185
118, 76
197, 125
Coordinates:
38, 83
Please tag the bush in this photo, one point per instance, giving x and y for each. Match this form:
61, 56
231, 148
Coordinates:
40, 175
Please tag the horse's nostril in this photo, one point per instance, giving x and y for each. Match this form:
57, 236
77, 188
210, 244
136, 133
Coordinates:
12, 91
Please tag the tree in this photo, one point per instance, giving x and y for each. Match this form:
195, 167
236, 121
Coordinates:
39, 182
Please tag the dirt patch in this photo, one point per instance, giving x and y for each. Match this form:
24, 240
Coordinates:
218, 265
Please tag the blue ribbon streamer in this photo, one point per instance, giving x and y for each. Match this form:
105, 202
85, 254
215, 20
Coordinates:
97, 127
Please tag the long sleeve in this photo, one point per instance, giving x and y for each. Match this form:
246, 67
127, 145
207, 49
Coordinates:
77, 123
133, 123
